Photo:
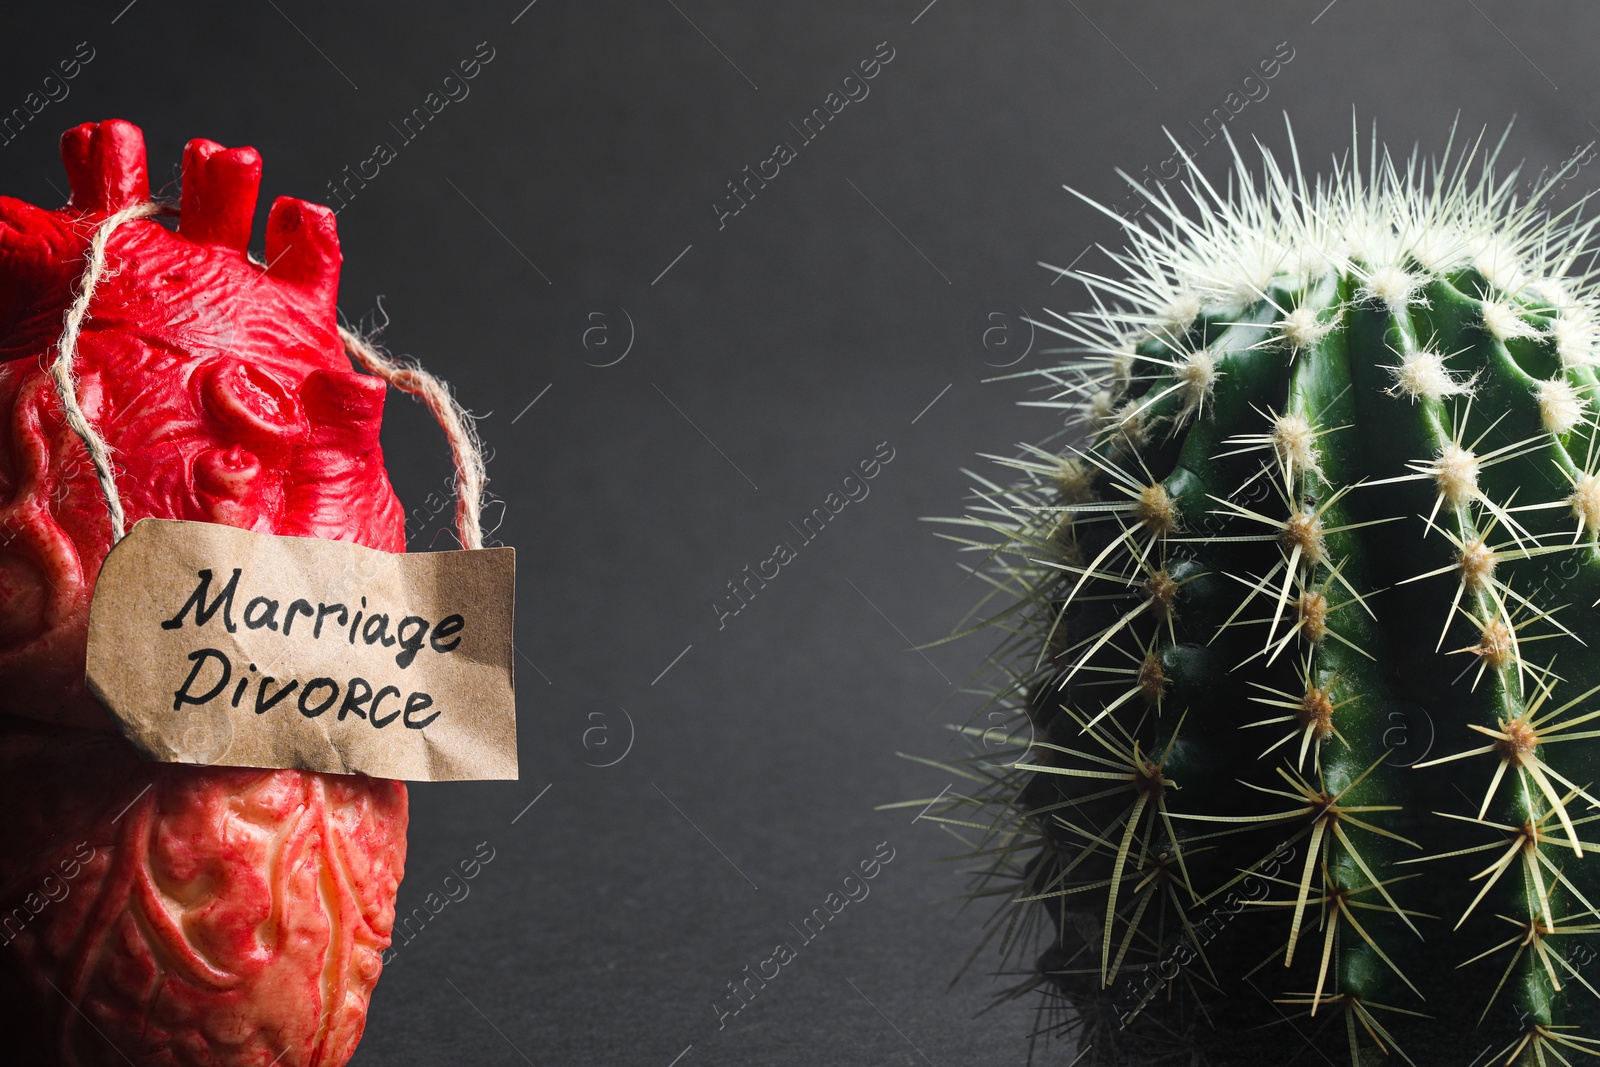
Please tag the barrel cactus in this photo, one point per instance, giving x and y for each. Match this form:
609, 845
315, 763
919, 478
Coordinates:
1294, 752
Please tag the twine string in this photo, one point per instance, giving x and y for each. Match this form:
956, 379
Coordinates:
65, 376
407, 376
453, 419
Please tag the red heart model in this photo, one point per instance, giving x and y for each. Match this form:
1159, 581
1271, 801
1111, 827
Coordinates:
167, 914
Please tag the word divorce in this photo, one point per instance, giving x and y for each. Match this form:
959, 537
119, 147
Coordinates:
213, 670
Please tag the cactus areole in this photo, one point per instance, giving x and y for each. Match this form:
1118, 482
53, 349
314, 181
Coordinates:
1301, 662
166, 914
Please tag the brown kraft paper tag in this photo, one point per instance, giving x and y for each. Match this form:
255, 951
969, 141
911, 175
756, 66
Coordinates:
215, 645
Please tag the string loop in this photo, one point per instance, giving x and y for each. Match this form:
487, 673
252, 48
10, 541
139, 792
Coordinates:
408, 377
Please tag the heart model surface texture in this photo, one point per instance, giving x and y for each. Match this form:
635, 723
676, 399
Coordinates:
169, 914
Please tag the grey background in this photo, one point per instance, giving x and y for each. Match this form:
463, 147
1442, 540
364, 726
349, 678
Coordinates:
822, 320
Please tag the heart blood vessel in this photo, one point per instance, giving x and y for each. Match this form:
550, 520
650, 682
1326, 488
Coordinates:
170, 914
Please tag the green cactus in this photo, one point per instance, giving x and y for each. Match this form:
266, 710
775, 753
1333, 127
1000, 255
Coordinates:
1296, 739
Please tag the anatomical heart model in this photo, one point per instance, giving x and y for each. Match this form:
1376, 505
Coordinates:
167, 913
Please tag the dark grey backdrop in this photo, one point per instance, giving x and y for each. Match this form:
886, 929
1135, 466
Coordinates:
563, 212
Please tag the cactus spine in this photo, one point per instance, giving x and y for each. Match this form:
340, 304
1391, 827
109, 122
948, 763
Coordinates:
1300, 656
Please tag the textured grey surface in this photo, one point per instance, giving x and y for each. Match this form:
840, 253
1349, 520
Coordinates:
815, 324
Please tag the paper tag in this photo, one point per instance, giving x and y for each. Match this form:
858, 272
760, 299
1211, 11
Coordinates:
214, 645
